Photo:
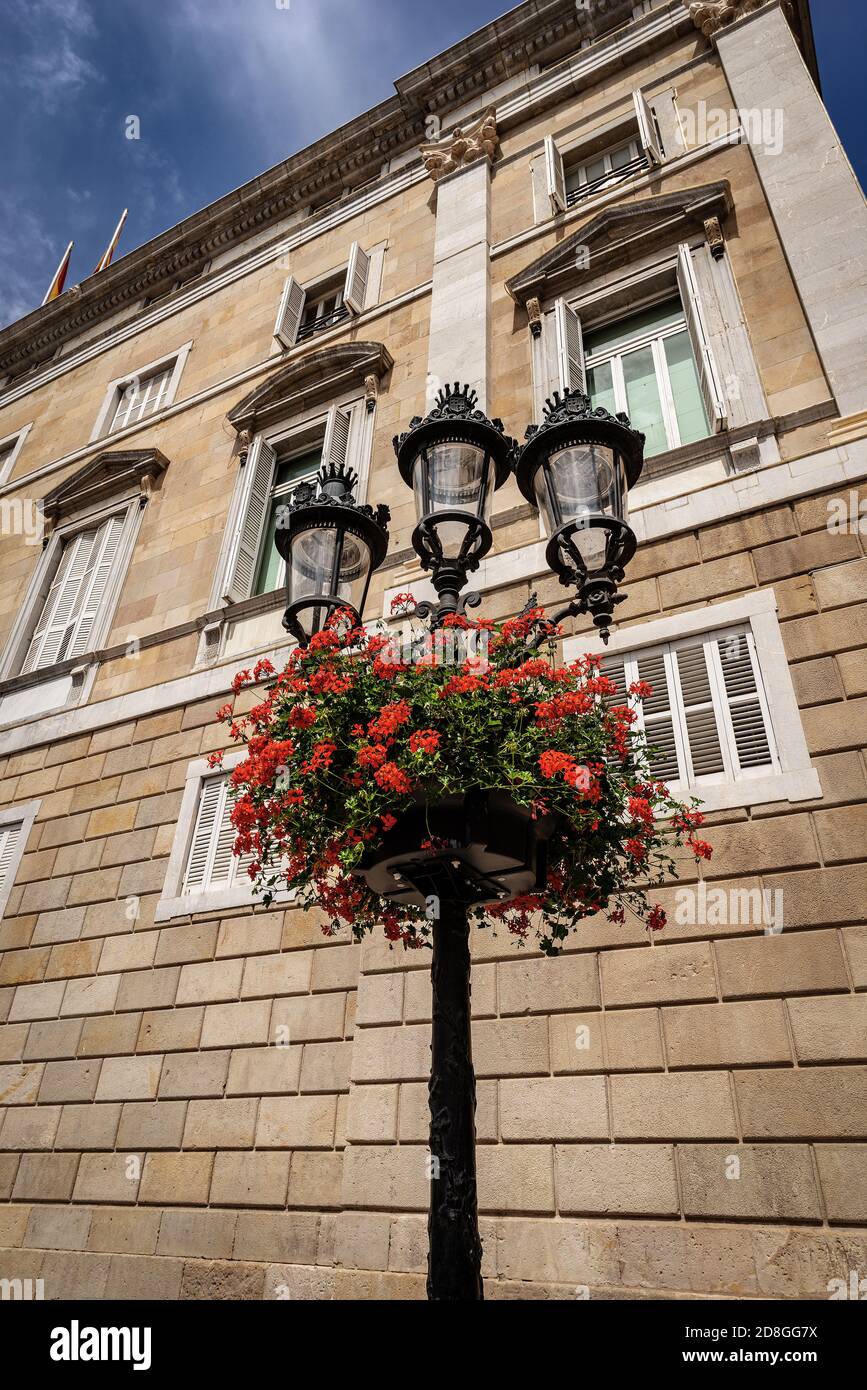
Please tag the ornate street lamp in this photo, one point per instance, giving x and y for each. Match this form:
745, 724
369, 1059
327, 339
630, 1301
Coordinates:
577, 468
331, 546
454, 460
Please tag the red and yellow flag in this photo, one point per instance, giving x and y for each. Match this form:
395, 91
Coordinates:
56, 287
109, 250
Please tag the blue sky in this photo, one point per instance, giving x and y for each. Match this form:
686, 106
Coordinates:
223, 89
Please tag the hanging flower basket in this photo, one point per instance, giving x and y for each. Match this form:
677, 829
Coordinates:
482, 847
379, 775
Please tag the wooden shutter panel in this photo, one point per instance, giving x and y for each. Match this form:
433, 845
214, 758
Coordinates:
357, 277
555, 176
102, 564
290, 312
658, 718
260, 467
334, 449
647, 128
210, 805
570, 348
744, 703
55, 624
9, 838
705, 748
614, 667
708, 375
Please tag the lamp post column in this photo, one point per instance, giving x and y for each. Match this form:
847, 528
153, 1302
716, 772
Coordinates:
454, 1249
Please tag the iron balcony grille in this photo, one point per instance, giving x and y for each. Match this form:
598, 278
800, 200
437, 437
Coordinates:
617, 176
308, 330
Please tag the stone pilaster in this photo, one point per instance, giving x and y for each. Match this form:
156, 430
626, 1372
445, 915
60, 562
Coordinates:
813, 195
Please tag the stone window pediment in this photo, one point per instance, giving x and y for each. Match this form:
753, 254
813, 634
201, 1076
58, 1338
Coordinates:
315, 378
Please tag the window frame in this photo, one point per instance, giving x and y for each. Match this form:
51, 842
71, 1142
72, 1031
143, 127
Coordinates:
655, 341
130, 508
16, 441
23, 815
174, 902
176, 360
611, 177
794, 778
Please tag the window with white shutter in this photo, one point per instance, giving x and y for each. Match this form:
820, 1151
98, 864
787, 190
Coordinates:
74, 603
140, 397
211, 864
555, 176
708, 718
290, 312
10, 839
708, 374
357, 278
648, 132
247, 542
570, 348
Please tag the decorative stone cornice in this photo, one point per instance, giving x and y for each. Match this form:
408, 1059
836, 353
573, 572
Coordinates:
461, 146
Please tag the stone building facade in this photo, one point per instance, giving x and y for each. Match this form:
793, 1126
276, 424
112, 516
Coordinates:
203, 1099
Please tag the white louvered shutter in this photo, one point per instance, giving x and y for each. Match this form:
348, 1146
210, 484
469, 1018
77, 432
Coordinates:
700, 719
555, 176
334, 449
55, 623
244, 557
570, 348
658, 718
212, 865
201, 848
647, 128
708, 374
9, 837
290, 312
357, 277
614, 667
747, 714
100, 570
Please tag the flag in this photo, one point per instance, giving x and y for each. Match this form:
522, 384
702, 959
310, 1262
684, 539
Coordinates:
56, 286
109, 251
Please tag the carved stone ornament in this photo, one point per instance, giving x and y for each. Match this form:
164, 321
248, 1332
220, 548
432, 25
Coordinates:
371, 392
462, 146
715, 239
712, 15
534, 316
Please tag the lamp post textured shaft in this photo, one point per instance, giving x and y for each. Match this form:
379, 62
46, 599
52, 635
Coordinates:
455, 1251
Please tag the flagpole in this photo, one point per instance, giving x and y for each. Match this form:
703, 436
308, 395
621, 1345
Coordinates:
112, 245
56, 286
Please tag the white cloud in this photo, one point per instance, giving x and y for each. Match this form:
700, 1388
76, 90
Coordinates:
25, 242
51, 68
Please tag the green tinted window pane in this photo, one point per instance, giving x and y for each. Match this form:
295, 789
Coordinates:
644, 407
600, 387
649, 321
688, 403
271, 567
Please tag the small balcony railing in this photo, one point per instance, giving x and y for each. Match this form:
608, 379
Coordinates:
309, 330
617, 176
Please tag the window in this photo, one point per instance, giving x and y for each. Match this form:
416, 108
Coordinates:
644, 365
137, 396
657, 365
273, 469
304, 312
323, 311
15, 826
10, 448
203, 874
576, 174
723, 722
64, 628
707, 718
603, 171
211, 865
301, 468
